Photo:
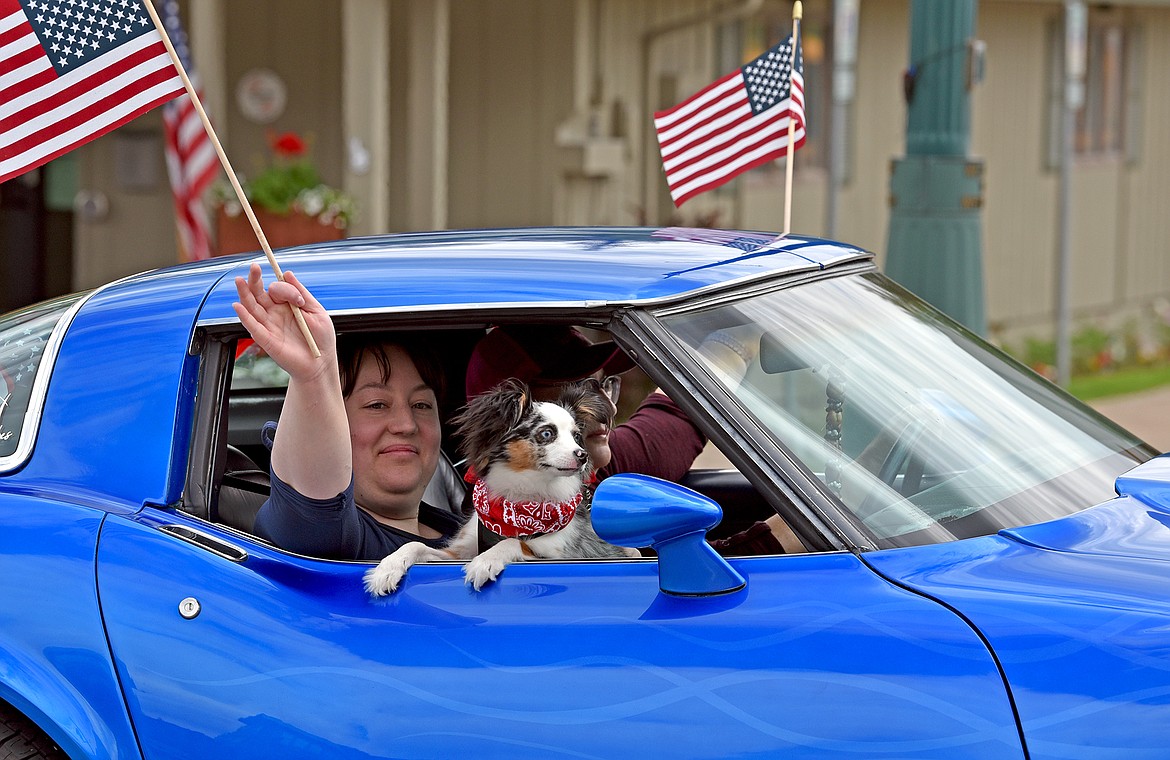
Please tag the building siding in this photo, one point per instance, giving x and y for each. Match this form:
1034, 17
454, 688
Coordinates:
520, 117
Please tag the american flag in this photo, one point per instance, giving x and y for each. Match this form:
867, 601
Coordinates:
734, 124
72, 70
191, 161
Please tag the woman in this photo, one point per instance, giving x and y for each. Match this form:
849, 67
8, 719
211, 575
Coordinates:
358, 436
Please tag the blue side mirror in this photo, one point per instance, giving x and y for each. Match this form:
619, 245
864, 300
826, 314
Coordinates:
638, 510
1149, 482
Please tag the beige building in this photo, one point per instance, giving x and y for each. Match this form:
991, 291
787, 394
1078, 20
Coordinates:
485, 113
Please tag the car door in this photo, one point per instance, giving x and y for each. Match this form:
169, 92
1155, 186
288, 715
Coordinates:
227, 647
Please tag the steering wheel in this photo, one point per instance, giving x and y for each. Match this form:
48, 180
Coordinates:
902, 454
901, 457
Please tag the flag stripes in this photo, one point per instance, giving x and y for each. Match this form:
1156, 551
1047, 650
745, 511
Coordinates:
192, 164
736, 123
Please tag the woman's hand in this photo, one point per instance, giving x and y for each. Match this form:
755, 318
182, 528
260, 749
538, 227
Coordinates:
312, 450
269, 319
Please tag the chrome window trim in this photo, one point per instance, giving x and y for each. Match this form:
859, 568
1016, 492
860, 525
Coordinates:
454, 308
205, 540
40, 387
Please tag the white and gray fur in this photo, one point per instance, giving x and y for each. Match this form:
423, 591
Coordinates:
522, 450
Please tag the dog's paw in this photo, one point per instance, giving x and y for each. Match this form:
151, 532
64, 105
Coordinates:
384, 578
482, 570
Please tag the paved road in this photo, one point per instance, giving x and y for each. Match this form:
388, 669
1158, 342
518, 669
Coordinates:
1146, 414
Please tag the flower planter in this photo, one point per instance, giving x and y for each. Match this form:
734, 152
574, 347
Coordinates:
234, 234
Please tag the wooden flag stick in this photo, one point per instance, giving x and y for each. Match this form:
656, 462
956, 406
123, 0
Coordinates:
797, 12
227, 167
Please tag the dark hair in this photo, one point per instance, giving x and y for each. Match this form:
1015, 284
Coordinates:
354, 347
487, 418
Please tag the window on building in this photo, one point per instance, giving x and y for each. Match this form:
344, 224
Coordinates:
1100, 121
1105, 125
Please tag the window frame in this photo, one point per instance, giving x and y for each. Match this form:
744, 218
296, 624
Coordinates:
66, 308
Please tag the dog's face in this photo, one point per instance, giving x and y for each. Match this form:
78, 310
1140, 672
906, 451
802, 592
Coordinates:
520, 448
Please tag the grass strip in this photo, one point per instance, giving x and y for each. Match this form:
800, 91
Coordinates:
1119, 382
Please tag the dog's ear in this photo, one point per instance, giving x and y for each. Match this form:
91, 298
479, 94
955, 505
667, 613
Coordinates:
487, 418
588, 402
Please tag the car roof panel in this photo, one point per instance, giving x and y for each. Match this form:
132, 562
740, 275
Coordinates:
532, 266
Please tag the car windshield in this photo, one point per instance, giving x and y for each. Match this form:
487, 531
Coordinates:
923, 431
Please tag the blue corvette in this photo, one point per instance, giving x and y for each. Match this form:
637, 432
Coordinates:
982, 573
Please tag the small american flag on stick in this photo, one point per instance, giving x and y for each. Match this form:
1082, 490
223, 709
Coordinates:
72, 70
736, 123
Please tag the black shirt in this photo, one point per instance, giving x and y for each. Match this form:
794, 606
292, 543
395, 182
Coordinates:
337, 529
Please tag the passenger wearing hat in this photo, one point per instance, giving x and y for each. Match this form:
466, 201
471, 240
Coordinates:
658, 439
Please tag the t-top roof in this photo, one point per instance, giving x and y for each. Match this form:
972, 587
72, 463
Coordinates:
531, 266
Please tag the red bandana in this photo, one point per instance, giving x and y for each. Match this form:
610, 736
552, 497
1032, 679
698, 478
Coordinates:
518, 519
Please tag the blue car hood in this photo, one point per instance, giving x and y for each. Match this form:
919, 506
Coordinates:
1076, 610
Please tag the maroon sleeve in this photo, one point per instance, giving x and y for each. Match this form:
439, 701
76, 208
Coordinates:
659, 439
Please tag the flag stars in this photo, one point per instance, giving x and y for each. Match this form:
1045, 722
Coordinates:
768, 77
86, 29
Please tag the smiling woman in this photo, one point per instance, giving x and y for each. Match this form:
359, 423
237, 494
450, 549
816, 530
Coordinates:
391, 389
359, 433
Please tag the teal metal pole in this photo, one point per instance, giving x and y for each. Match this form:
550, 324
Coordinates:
934, 245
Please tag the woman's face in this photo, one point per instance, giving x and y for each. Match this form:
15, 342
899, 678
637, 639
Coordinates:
597, 444
395, 435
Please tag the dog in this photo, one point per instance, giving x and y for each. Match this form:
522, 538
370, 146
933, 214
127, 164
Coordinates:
531, 485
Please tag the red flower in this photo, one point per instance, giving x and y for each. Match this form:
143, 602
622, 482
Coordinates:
288, 145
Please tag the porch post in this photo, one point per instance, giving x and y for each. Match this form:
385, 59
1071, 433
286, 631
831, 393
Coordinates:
366, 110
427, 118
